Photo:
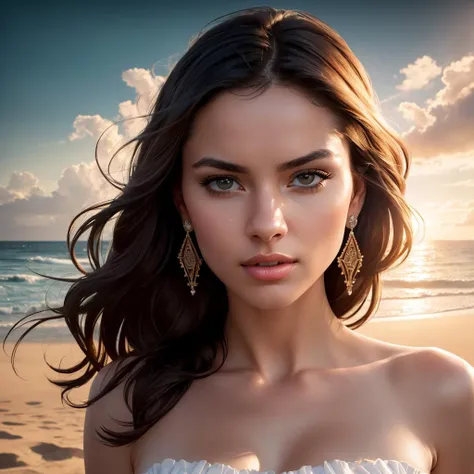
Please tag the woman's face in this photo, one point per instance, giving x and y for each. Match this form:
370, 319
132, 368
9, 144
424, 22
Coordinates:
264, 206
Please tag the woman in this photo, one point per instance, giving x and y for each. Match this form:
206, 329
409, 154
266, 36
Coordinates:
267, 146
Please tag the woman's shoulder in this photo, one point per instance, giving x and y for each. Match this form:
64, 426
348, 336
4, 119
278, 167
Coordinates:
111, 404
429, 372
428, 366
107, 412
435, 388
109, 370
105, 375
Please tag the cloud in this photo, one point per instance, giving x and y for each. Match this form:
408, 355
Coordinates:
468, 219
458, 80
147, 87
451, 213
454, 208
443, 164
37, 216
21, 185
444, 126
419, 74
413, 112
26, 212
468, 183
456, 205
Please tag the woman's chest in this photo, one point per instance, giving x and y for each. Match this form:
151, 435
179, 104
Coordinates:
302, 423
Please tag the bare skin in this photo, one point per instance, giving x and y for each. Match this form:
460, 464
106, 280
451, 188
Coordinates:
350, 413
297, 387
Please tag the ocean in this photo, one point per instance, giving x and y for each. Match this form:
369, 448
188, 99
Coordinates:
437, 278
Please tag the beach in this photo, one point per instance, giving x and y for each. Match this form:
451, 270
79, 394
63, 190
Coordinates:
38, 435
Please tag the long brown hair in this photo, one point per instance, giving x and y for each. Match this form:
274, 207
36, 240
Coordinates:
137, 300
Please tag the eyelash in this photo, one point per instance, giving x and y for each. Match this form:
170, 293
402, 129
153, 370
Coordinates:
322, 174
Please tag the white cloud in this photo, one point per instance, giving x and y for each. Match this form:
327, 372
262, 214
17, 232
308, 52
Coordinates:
456, 205
419, 74
468, 220
41, 217
467, 183
147, 87
443, 217
442, 164
414, 113
444, 126
22, 182
27, 213
458, 80
20, 185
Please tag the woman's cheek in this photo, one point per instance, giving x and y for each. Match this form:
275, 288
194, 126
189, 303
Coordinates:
324, 233
215, 237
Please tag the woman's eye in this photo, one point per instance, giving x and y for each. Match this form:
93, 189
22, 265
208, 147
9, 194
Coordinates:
306, 179
309, 179
223, 184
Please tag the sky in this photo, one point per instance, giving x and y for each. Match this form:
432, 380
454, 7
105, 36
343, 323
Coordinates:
70, 69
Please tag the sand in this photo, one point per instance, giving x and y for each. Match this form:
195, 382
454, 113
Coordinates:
39, 435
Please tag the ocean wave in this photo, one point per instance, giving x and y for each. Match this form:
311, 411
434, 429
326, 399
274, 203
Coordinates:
21, 277
429, 283
28, 308
429, 314
428, 295
62, 261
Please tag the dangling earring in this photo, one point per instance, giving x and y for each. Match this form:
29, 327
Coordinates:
350, 259
189, 258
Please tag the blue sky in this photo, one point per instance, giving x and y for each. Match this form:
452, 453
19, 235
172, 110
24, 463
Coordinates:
63, 59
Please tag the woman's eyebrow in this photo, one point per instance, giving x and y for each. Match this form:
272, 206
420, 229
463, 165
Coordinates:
235, 168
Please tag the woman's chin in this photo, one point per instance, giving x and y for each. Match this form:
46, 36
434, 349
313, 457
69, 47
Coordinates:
270, 297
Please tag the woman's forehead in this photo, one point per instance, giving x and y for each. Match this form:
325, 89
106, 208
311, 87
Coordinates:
276, 107
264, 124
264, 155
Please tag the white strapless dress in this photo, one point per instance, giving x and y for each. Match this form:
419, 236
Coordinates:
335, 466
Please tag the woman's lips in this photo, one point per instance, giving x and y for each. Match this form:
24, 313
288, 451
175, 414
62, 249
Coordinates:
269, 273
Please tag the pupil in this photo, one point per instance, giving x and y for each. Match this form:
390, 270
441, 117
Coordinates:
225, 180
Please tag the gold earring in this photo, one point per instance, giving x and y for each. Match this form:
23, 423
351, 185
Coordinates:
189, 258
350, 259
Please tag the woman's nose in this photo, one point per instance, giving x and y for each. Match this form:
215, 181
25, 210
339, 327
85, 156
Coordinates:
266, 220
